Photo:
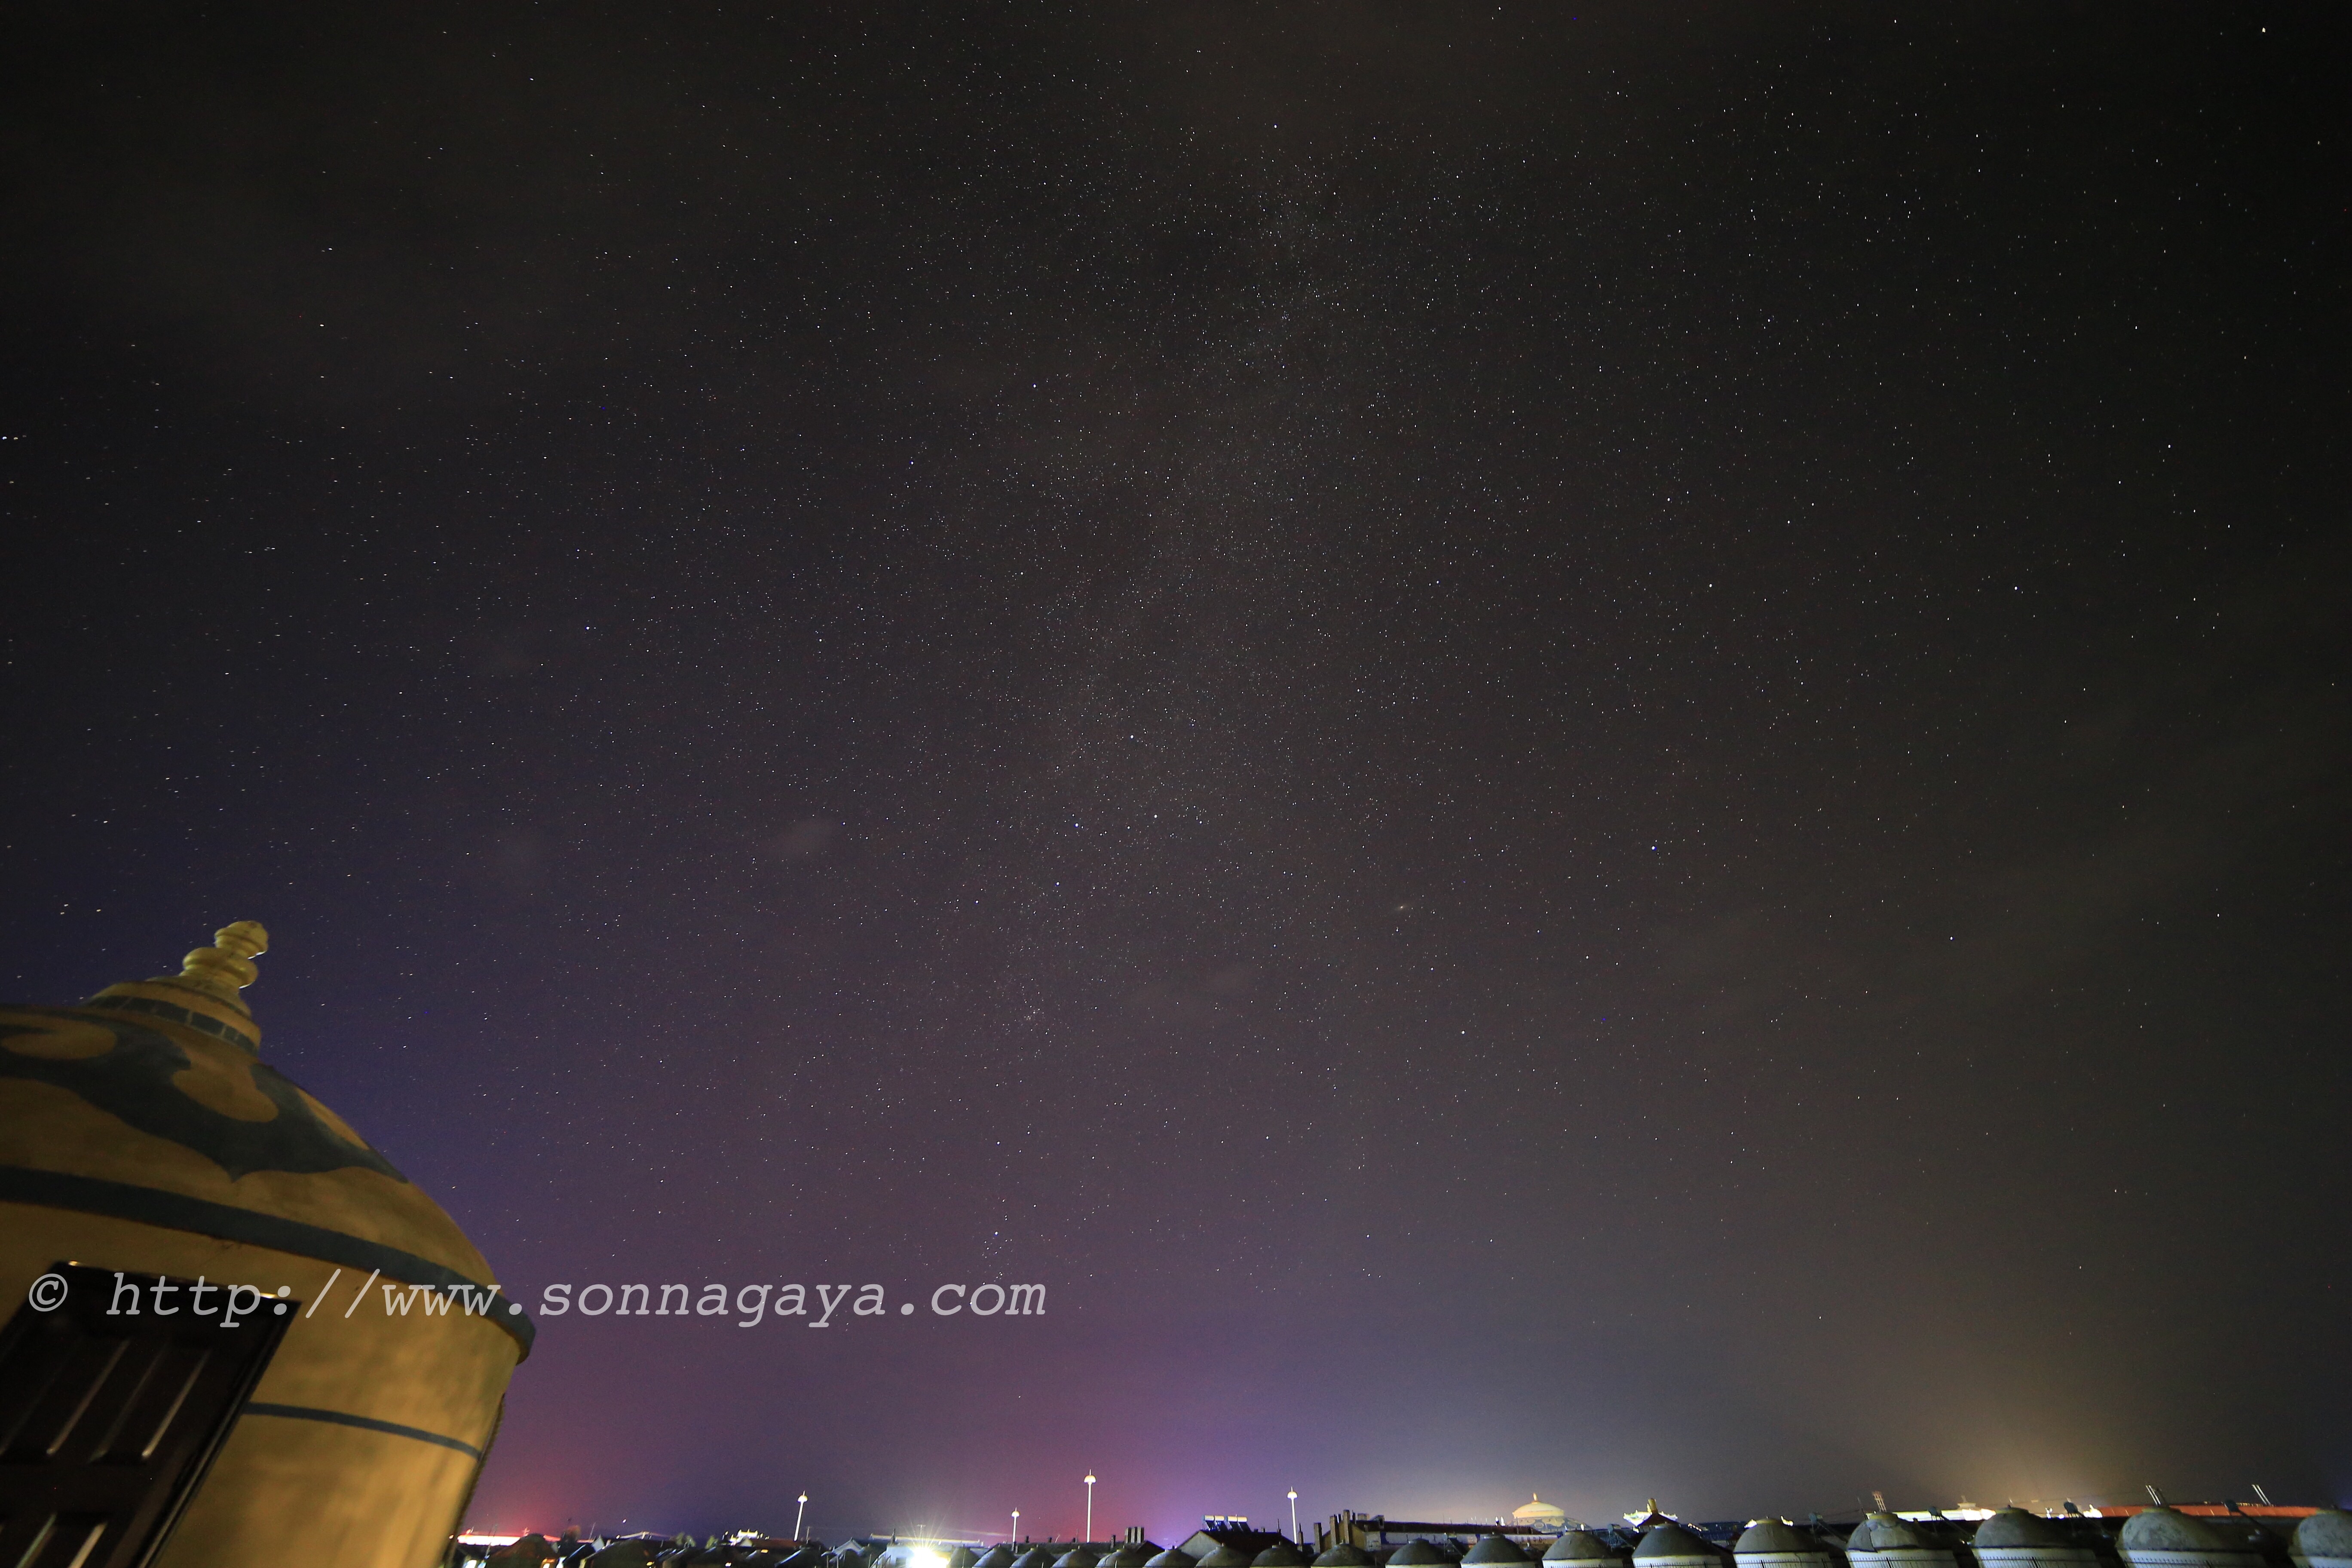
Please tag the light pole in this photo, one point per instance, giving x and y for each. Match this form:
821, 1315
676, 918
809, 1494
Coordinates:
799, 1514
1294, 1514
1090, 1505
1016, 1526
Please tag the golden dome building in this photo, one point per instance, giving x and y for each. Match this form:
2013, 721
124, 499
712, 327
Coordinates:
237, 1330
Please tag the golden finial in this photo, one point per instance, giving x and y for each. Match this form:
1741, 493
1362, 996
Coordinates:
226, 967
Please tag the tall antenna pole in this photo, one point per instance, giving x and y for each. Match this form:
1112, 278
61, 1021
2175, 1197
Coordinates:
1090, 1505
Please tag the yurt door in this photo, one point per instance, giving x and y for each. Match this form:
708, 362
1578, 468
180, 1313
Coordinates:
111, 1410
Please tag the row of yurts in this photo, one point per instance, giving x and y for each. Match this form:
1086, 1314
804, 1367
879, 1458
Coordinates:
2158, 1537
142, 1134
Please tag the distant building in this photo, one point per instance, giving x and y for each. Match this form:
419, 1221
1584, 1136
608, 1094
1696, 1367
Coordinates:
1369, 1532
1230, 1532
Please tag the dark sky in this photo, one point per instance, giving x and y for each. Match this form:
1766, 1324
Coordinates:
1597, 749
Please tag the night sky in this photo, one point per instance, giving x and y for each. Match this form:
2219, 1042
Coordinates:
1587, 749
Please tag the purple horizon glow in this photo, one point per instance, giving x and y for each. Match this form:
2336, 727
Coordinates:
1560, 751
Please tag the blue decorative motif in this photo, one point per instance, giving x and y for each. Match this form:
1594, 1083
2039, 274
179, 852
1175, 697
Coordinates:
132, 1079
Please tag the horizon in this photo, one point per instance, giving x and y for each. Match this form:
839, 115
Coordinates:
1501, 747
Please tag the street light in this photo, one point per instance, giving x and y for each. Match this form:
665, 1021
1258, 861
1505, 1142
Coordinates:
1090, 1505
1293, 1513
799, 1515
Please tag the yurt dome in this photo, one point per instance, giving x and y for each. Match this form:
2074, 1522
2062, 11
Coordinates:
2013, 1538
2324, 1539
144, 1136
1670, 1545
1776, 1543
2168, 1538
1862, 1548
2013, 1526
1901, 1544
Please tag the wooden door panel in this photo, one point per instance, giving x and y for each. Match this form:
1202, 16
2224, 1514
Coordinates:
109, 1418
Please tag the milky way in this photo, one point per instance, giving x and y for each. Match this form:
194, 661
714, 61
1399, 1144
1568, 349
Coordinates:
1556, 750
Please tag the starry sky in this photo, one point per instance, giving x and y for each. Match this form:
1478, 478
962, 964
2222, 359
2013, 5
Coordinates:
1596, 750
